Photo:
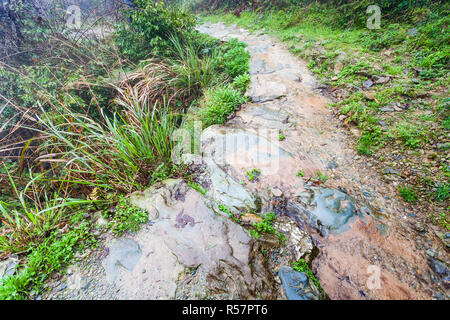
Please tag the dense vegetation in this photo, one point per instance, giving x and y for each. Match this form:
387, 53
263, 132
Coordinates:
88, 116
390, 85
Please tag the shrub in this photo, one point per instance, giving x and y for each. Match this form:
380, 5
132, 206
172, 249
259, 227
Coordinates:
118, 152
236, 58
220, 103
241, 82
150, 27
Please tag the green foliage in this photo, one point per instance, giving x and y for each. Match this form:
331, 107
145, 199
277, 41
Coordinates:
321, 177
241, 82
442, 192
47, 257
236, 58
126, 217
370, 139
336, 13
220, 103
300, 173
266, 226
441, 219
28, 221
410, 134
150, 27
302, 266
196, 186
194, 70
408, 194
227, 210
117, 151
253, 174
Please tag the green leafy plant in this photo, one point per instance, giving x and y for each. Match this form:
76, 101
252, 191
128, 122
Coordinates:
408, 194
302, 266
266, 226
441, 219
126, 217
321, 177
196, 186
442, 193
300, 173
227, 210
149, 28
241, 82
253, 174
236, 59
220, 103
34, 217
48, 256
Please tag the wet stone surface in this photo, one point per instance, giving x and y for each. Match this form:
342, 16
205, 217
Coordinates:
297, 285
186, 235
324, 209
193, 250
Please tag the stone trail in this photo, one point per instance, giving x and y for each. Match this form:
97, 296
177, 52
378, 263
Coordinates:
360, 246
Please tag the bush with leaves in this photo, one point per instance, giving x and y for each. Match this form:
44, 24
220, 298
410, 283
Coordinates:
149, 28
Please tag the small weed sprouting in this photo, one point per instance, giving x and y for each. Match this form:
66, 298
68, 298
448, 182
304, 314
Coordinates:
219, 104
302, 266
441, 219
266, 226
442, 193
196, 186
227, 210
253, 174
300, 173
126, 217
241, 82
321, 177
47, 257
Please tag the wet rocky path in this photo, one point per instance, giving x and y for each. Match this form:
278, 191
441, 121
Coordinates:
382, 240
353, 229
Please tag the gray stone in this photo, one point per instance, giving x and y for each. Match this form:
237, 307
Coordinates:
333, 208
122, 252
387, 109
368, 83
383, 229
62, 287
382, 80
388, 170
8, 267
439, 267
332, 165
340, 61
324, 209
188, 233
297, 285
224, 190
259, 66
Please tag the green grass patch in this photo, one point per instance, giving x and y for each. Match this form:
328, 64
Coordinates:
302, 266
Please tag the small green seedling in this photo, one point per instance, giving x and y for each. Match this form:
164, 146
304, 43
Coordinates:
253, 174
300, 173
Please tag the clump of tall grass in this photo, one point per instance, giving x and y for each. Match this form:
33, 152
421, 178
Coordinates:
180, 78
36, 214
115, 152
